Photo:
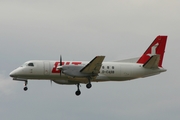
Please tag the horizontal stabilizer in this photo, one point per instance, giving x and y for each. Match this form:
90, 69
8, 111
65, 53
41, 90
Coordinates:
153, 62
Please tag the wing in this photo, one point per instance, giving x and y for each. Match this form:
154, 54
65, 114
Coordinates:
93, 66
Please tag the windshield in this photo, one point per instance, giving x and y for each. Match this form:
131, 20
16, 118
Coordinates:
30, 64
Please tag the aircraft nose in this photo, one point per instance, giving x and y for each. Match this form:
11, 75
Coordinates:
15, 73
12, 74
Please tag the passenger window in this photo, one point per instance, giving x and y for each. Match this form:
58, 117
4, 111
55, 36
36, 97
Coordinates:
107, 67
112, 67
102, 67
30, 64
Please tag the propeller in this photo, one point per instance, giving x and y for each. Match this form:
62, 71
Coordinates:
60, 61
51, 82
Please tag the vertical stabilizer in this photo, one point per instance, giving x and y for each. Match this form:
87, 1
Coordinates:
157, 47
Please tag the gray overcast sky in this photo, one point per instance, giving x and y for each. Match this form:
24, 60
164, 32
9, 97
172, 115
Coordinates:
80, 30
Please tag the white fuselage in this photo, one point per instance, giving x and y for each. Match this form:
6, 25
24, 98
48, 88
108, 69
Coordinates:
73, 72
110, 71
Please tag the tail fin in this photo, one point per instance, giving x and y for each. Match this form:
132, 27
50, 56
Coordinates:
157, 47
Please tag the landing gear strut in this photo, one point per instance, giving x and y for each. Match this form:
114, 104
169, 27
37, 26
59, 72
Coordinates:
78, 92
25, 88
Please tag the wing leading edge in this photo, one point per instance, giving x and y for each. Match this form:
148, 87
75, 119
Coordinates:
93, 66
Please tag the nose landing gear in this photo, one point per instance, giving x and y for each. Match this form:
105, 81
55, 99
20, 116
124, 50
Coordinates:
25, 88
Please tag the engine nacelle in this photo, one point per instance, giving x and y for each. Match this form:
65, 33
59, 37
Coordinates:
74, 71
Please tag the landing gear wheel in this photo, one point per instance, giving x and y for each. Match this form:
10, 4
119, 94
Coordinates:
89, 85
78, 92
25, 88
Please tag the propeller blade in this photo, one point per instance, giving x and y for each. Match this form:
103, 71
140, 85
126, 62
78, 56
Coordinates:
51, 82
60, 61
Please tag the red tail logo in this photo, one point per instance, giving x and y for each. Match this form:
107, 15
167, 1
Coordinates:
156, 48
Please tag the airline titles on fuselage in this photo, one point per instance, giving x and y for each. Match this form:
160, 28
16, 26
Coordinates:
56, 64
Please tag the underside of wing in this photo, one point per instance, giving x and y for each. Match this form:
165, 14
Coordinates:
93, 66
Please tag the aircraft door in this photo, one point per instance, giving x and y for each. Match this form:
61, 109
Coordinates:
46, 68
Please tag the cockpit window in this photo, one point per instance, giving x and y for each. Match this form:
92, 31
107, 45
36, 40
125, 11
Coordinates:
30, 64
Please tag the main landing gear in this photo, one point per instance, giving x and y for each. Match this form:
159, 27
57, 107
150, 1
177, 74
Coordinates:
89, 85
78, 92
25, 88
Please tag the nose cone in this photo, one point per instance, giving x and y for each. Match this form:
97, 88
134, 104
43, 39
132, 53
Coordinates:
15, 72
12, 74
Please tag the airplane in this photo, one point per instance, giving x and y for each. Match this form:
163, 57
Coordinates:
84, 72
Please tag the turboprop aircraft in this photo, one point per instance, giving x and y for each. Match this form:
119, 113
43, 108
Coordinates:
77, 72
